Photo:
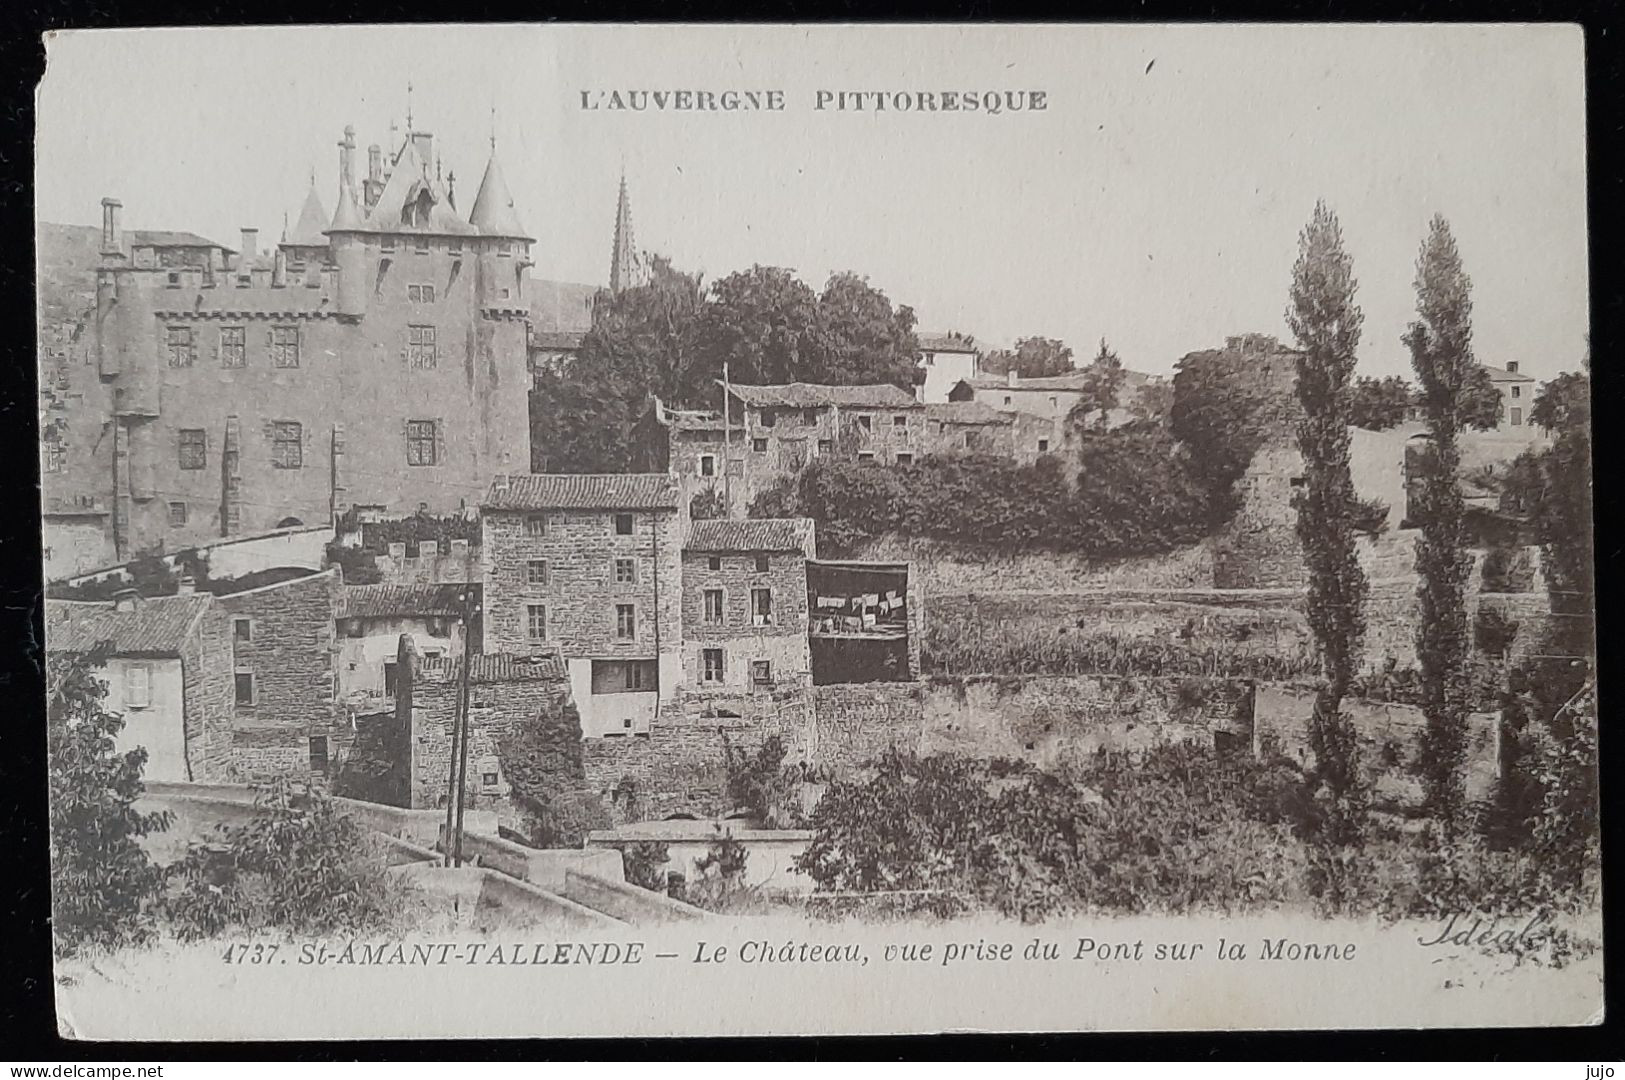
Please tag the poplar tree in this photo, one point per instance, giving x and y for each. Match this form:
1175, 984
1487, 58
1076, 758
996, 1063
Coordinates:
1326, 322
1440, 342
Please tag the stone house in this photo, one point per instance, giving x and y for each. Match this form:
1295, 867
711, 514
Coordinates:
512, 700
379, 359
773, 432
1051, 397
1517, 392
590, 566
744, 590
167, 674
287, 718
944, 361
970, 427
369, 621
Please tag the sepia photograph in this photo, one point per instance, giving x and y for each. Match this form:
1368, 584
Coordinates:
634, 530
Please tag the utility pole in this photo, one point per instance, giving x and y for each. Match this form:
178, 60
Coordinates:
451, 777
727, 446
469, 609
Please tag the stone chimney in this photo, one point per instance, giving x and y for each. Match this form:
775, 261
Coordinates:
248, 247
279, 269
112, 227
1512, 367
126, 599
186, 586
347, 159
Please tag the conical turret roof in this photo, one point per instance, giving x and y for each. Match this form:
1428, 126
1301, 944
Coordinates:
307, 232
347, 217
494, 213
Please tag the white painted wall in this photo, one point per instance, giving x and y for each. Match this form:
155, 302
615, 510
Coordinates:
361, 659
160, 725
943, 370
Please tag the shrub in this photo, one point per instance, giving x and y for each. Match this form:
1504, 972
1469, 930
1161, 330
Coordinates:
1369, 517
298, 866
102, 882
644, 864
1508, 570
708, 504
719, 884
1494, 632
763, 784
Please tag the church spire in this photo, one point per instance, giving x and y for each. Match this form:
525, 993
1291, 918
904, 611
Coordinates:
623, 256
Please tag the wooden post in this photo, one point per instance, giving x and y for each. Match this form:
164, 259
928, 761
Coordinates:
462, 755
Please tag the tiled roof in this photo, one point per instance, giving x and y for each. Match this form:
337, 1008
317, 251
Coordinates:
582, 491
155, 626
162, 238
498, 668
944, 343
812, 395
1500, 374
382, 601
967, 412
754, 534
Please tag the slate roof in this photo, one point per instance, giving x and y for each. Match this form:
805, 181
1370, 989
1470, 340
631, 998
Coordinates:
310, 229
814, 395
499, 668
410, 176
1500, 374
944, 343
582, 491
155, 626
494, 213
755, 534
383, 601
967, 412
168, 238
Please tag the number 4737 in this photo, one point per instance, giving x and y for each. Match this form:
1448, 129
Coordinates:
250, 954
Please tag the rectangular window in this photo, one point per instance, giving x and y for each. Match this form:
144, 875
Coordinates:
623, 524
1054, 402
420, 347
972, 440
825, 446
626, 622
233, 346
137, 686
1517, 417
318, 754
244, 681
637, 673
761, 607
177, 514
713, 607
488, 779
905, 458
535, 524
866, 457
900, 420
422, 437
761, 564
711, 670
1043, 446
420, 294
287, 444
504, 247
53, 454
242, 630
713, 562
1515, 391
389, 678
866, 423
769, 418
759, 445
285, 346
178, 342
194, 453
1007, 399
626, 572
708, 465
536, 572
536, 622
761, 672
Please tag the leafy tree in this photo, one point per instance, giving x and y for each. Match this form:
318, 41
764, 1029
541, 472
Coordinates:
1481, 405
862, 339
102, 881
1379, 404
642, 341
763, 323
1221, 414
1152, 402
1032, 358
1136, 494
1326, 321
707, 504
1440, 342
1103, 381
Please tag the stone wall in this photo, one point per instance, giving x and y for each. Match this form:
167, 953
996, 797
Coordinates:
206, 672
290, 651
580, 548
783, 642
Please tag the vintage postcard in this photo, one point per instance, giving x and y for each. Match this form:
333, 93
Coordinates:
1041, 528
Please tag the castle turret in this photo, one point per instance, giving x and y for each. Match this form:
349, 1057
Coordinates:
345, 239
504, 245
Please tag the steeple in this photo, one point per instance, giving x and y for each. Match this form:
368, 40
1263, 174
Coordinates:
307, 232
623, 257
494, 213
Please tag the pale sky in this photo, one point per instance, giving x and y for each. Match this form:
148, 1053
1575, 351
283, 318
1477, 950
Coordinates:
1155, 202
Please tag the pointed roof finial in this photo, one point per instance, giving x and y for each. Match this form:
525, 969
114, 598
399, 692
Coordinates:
493, 127
409, 106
